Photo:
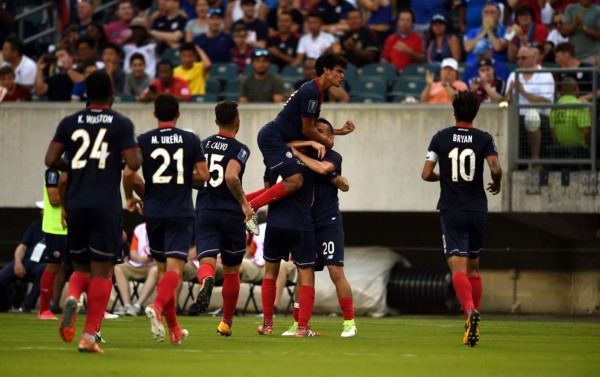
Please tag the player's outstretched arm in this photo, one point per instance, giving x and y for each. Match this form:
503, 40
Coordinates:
54, 157
232, 178
346, 129
341, 183
319, 167
428, 174
496, 172
63, 179
129, 179
200, 174
320, 148
310, 131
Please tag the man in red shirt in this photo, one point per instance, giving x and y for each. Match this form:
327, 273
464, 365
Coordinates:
166, 83
405, 46
119, 30
9, 90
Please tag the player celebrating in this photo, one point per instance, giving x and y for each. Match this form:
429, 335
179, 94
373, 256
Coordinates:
97, 139
329, 229
296, 121
173, 160
463, 204
221, 211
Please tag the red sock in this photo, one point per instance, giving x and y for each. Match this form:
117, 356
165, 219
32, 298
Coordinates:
98, 295
307, 302
205, 270
170, 313
78, 283
463, 290
347, 308
254, 194
230, 293
274, 193
296, 311
477, 288
268, 291
165, 290
46, 285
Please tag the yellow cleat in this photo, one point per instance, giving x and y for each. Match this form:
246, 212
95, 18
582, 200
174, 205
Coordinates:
471, 336
224, 329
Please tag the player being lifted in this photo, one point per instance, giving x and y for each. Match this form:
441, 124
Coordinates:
461, 150
173, 160
221, 211
96, 139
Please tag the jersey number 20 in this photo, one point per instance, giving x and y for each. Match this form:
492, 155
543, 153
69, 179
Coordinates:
459, 161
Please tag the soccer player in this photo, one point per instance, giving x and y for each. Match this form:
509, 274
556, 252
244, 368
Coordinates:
329, 229
296, 121
97, 139
461, 150
221, 211
173, 160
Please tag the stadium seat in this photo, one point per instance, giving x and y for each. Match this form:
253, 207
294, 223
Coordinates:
368, 86
351, 72
224, 71
207, 98
288, 84
213, 86
295, 73
233, 86
368, 98
407, 88
172, 54
122, 97
290, 287
417, 71
377, 71
135, 288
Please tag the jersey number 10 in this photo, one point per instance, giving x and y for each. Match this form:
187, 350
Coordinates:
459, 161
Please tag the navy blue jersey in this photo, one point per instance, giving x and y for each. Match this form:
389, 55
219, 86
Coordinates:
304, 103
169, 155
293, 212
326, 209
461, 152
94, 138
220, 149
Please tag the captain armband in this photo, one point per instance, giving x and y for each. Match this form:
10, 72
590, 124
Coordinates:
432, 156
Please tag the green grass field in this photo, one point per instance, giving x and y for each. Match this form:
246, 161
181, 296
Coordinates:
395, 346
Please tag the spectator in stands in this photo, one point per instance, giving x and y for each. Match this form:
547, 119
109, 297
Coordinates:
235, 12
509, 9
169, 27
86, 50
188, 7
334, 14
111, 56
405, 46
258, 31
52, 78
118, 31
78, 94
359, 44
85, 15
380, 17
241, 54
570, 127
25, 68
470, 14
215, 42
96, 33
8, 11
26, 265
191, 70
424, 10
554, 38
136, 81
533, 88
440, 43
139, 266
332, 94
492, 30
283, 45
12, 92
488, 86
443, 90
262, 85
565, 58
140, 42
315, 41
167, 83
581, 23
484, 50
69, 39
526, 31
198, 25
158, 11
284, 7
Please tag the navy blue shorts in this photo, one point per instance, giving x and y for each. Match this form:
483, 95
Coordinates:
95, 234
170, 237
329, 241
56, 248
280, 243
462, 233
221, 232
278, 157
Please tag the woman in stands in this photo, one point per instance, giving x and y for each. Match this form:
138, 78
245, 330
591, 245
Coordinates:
440, 43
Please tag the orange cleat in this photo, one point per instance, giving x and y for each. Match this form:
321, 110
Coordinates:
88, 344
265, 330
47, 315
66, 326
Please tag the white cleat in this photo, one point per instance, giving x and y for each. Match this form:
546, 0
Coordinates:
252, 225
349, 329
156, 326
292, 330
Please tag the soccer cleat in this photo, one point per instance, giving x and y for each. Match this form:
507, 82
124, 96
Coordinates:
87, 343
108, 315
265, 330
224, 329
471, 336
98, 337
307, 332
292, 330
156, 326
133, 310
349, 329
47, 314
252, 225
203, 299
178, 335
66, 326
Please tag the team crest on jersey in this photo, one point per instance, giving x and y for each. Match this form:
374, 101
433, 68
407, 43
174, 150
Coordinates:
312, 106
243, 155
52, 178
288, 154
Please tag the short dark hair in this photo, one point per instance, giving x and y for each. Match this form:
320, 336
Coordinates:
226, 113
86, 40
466, 105
135, 56
329, 60
98, 86
238, 28
314, 15
113, 46
567, 47
15, 44
187, 46
166, 107
407, 10
567, 86
165, 62
523, 9
6, 70
325, 121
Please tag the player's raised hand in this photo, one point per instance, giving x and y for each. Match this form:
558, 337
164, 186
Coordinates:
247, 211
348, 127
63, 218
320, 148
493, 188
135, 204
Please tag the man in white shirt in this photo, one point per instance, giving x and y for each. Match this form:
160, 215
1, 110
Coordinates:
25, 68
313, 43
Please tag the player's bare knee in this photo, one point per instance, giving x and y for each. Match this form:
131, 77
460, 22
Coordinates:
336, 273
